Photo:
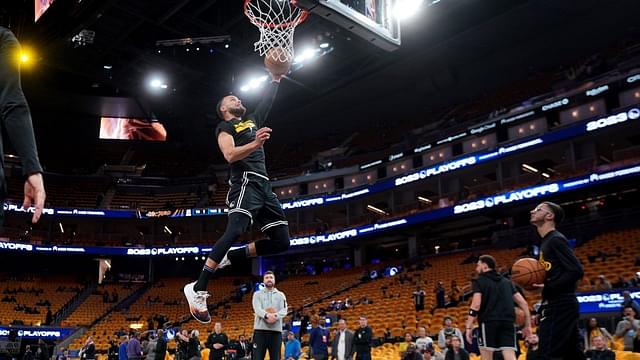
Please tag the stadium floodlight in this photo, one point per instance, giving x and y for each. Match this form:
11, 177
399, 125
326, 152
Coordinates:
405, 9
254, 83
156, 83
306, 55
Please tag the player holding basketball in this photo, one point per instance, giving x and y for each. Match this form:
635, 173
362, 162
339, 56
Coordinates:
492, 304
559, 313
250, 198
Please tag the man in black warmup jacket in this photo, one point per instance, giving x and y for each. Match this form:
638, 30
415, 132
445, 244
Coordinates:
558, 330
362, 340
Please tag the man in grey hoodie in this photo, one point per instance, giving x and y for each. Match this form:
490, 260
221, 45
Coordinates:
269, 307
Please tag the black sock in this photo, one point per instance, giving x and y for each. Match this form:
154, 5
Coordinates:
237, 255
203, 280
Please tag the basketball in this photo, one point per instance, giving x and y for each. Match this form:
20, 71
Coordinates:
526, 272
273, 61
520, 318
270, 310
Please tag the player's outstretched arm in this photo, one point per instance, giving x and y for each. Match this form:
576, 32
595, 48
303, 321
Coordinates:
261, 112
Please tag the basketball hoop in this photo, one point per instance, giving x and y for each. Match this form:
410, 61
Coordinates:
276, 20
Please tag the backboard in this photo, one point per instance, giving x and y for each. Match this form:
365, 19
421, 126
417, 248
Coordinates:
372, 20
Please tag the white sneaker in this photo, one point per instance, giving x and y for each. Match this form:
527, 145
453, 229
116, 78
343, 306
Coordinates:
197, 303
224, 262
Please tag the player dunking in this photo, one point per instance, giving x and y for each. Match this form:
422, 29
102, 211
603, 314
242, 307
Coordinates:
250, 198
558, 333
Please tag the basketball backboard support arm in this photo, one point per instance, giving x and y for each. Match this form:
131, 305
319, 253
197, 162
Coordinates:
386, 38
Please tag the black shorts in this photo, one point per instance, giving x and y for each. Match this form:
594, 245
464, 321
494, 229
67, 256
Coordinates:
252, 195
497, 335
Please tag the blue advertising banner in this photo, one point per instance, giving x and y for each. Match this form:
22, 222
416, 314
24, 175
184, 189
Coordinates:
30, 332
605, 301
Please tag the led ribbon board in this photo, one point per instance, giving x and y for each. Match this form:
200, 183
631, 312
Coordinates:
46, 333
473, 206
588, 126
585, 127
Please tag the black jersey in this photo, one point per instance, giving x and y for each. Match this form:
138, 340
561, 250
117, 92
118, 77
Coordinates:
562, 267
497, 297
244, 132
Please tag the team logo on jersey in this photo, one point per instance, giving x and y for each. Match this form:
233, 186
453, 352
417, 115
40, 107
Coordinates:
545, 264
244, 125
232, 204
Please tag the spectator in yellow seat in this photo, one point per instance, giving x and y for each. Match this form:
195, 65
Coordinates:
592, 330
599, 350
408, 340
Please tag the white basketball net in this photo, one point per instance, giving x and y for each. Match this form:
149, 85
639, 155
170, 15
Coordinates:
276, 20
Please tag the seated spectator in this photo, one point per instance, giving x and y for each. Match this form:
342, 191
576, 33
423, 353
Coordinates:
423, 342
635, 281
599, 350
411, 353
627, 328
408, 340
592, 330
602, 283
292, 347
348, 302
621, 283
455, 351
448, 331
